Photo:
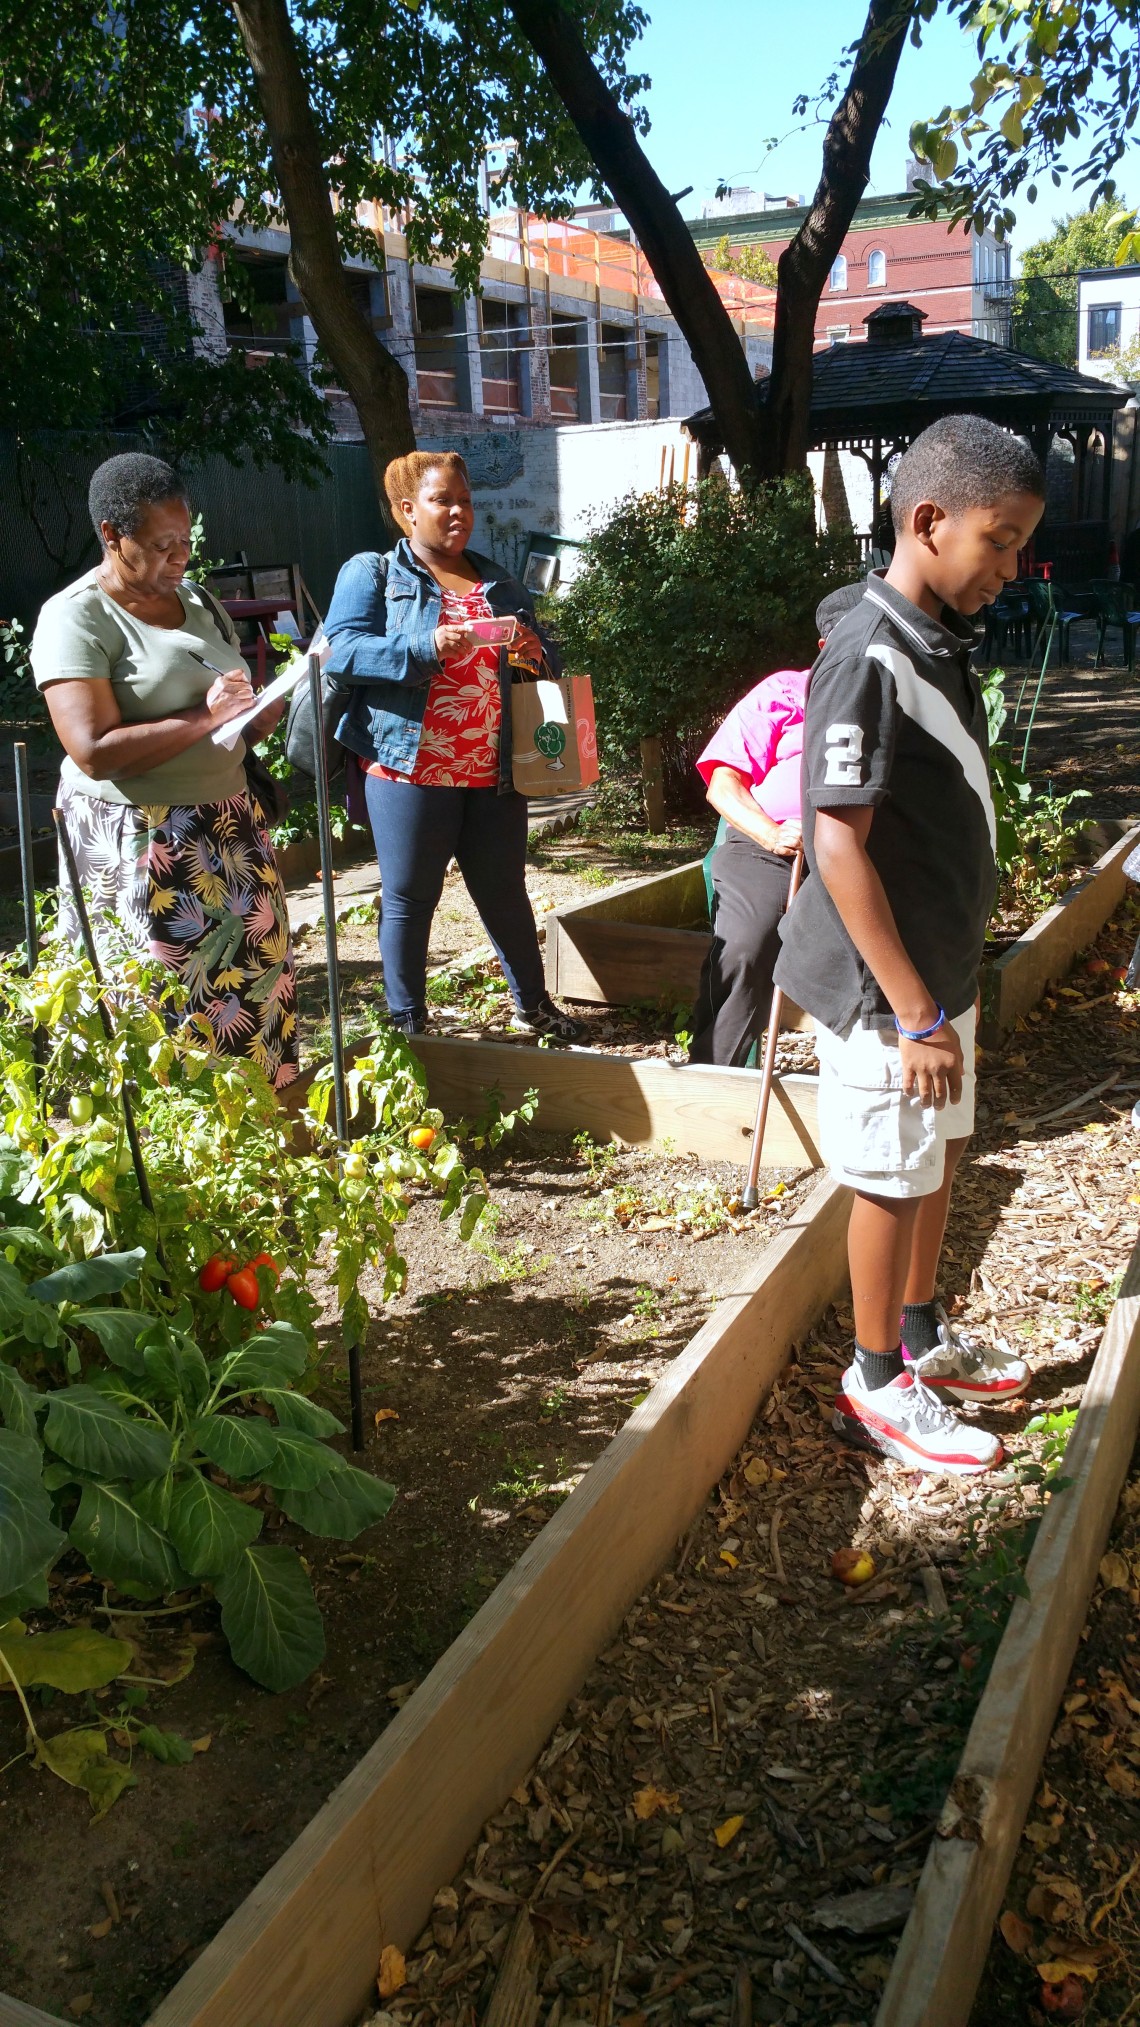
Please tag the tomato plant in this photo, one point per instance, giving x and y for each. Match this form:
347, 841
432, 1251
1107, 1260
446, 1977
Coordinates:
135, 1394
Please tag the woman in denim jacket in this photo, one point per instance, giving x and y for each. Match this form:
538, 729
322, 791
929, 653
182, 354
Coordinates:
429, 721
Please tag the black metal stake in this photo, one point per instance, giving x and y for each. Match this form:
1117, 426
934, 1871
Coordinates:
332, 960
27, 877
68, 859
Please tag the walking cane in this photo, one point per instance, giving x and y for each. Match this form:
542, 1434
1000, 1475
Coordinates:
751, 1198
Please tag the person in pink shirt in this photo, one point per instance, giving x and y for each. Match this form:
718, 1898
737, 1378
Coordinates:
751, 772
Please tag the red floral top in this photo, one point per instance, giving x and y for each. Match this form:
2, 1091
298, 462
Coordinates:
459, 743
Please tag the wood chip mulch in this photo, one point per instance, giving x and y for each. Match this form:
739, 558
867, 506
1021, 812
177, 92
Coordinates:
729, 1821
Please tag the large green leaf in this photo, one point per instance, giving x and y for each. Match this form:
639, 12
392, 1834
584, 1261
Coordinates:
209, 1527
118, 1331
18, 1402
178, 1372
342, 1505
122, 1545
275, 1355
72, 1659
105, 1274
240, 1445
169, 1747
296, 1411
33, 1597
95, 1433
270, 1616
299, 1462
29, 1540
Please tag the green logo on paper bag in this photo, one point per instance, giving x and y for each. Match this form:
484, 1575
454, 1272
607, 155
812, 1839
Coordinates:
550, 739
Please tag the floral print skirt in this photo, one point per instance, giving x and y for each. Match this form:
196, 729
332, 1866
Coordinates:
198, 889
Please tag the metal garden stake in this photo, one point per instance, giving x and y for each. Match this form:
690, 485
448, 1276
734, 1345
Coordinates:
751, 1198
336, 1032
27, 876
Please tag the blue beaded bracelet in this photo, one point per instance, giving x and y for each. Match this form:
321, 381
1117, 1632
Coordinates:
921, 1034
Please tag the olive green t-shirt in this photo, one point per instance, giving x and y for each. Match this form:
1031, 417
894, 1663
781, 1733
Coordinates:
83, 634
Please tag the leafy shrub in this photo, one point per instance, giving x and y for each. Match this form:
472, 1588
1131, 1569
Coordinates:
144, 1411
20, 701
1037, 837
687, 596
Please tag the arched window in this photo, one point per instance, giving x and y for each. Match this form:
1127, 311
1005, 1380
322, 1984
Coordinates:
839, 273
877, 269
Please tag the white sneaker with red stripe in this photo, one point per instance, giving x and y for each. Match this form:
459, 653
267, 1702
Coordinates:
907, 1421
968, 1371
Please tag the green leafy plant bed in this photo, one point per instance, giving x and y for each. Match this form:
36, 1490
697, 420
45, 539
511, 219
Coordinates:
493, 1376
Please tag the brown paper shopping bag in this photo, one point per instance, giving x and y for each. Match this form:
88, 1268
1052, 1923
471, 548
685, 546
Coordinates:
554, 739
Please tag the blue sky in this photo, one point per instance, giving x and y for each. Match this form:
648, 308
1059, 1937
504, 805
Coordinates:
724, 76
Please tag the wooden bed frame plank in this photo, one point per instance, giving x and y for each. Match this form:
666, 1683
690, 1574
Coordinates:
1015, 981
305, 1945
13, 2013
698, 1107
943, 1948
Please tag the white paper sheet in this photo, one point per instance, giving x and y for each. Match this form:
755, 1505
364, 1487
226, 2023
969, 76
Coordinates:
227, 735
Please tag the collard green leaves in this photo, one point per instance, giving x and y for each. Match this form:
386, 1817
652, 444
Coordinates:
270, 1616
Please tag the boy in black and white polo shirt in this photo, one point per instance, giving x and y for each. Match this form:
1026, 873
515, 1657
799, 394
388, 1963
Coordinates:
882, 944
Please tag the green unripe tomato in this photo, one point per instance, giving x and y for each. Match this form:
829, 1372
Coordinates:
41, 1009
80, 1109
125, 1163
98, 1088
354, 1188
355, 1166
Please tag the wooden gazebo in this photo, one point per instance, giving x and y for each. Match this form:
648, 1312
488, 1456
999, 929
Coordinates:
874, 399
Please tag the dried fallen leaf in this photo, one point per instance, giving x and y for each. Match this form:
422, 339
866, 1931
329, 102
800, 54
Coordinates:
1056, 1900
730, 1828
1058, 1969
647, 1801
756, 1471
393, 1972
1122, 1780
203, 1744
1115, 1574
1016, 1932
79, 2006
385, 1415
727, 1556
99, 1929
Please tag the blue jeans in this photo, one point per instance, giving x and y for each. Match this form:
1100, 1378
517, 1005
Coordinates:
418, 831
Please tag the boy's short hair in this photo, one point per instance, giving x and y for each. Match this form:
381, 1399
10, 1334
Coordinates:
832, 608
963, 461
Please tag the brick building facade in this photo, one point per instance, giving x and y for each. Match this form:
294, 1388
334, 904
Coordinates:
958, 278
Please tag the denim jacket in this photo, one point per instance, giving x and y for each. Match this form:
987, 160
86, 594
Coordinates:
381, 626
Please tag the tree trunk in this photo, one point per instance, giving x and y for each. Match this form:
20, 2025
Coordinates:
609, 135
375, 382
805, 264
653, 783
763, 437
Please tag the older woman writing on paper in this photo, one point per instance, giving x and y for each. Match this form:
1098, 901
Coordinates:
139, 667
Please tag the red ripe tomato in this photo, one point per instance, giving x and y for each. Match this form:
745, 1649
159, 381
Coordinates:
244, 1289
266, 1260
215, 1274
1065, 2001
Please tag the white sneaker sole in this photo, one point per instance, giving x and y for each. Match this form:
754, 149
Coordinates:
886, 1442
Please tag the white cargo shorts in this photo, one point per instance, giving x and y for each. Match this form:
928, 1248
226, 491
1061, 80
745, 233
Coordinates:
870, 1135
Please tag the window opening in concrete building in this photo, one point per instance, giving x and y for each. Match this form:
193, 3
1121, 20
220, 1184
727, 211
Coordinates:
877, 269
567, 336
437, 349
258, 314
503, 339
839, 272
1104, 329
652, 378
370, 294
613, 368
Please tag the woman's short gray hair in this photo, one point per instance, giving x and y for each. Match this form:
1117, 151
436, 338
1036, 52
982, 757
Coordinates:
124, 487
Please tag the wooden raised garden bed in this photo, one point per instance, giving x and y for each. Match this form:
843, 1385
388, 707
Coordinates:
646, 940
